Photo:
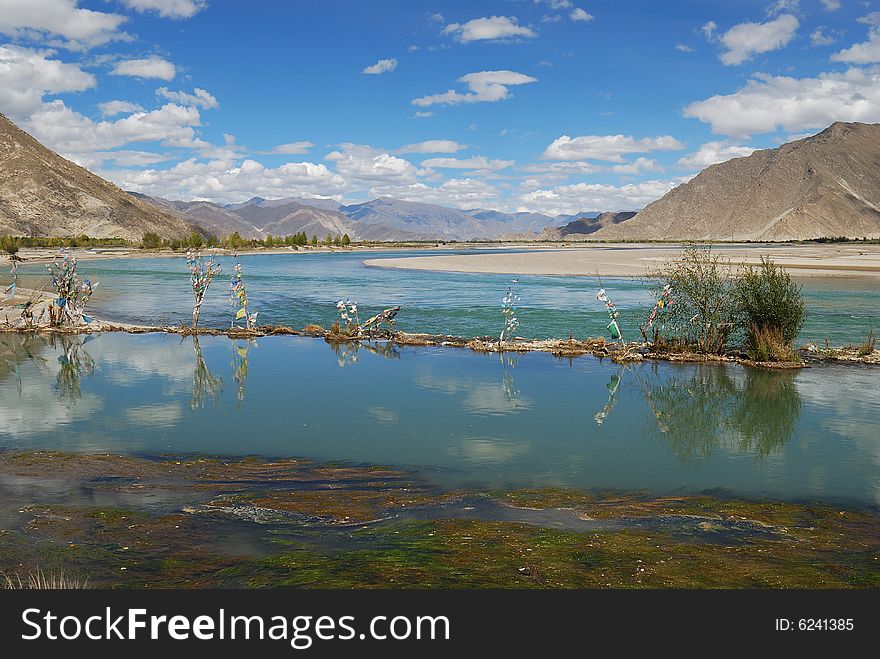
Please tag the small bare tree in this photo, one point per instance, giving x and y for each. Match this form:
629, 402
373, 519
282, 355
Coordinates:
202, 272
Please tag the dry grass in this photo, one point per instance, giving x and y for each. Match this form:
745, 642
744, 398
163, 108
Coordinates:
766, 344
39, 580
867, 348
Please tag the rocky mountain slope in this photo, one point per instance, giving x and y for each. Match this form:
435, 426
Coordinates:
821, 186
582, 228
42, 194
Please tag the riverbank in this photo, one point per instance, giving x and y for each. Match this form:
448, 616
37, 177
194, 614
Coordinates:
636, 260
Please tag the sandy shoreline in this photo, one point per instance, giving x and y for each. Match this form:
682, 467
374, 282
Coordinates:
631, 260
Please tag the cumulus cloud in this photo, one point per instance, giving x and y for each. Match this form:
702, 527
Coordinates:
60, 23
357, 162
382, 66
223, 181
150, 67
866, 52
113, 108
199, 98
819, 38
27, 75
746, 40
127, 158
570, 199
433, 146
484, 86
579, 14
168, 8
711, 153
768, 103
492, 28
606, 147
74, 135
637, 166
831, 5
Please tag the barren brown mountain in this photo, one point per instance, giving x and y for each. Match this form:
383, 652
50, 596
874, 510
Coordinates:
826, 185
42, 194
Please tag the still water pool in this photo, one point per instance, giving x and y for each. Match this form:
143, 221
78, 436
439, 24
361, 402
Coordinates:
459, 418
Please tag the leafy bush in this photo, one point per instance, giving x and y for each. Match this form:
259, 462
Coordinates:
151, 241
703, 313
770, 304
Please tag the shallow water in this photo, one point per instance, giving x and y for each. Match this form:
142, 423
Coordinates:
302, 288
459, 418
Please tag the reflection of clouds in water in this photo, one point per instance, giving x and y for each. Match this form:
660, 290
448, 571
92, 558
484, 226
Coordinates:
480, 396
491, 451
164, 415
383, 415
30, 410
172, 360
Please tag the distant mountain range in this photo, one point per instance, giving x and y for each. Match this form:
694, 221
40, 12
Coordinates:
380, 219
826, 185
42, 194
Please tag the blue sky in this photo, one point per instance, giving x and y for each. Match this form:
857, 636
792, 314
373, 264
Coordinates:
554, 106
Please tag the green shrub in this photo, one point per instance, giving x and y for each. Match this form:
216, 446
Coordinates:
703, 313
151, 241
9, 244
768, 300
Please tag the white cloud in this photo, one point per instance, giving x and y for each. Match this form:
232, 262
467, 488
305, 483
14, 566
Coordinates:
558, 171
484, 86
819, 38
382, 66
150, 67
768, 103
867, 52
125, 158
27, 75
223, 181
433, 146
357, 162
579, 14
112, 108
684, 48
75, 135
492, 28
831, 5
168, 8
745, 40
199, 98
423, 115
59, 23
570, 199
708, 30
477, 163
291, 148
555, 4
606, 147
638, 166
711, 153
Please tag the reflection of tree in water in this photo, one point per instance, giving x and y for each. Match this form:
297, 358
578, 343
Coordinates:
16, 349
707, 408
206, 386
769, 409
75, 362
240, 365
347, 351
